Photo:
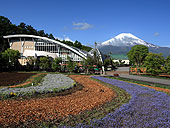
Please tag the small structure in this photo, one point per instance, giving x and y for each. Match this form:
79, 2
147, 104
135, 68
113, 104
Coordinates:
120, 58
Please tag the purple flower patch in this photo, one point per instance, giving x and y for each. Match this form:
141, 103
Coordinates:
146, 109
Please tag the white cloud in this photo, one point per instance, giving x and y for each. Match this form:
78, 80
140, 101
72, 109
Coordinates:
156, 34
82, 26
66, 38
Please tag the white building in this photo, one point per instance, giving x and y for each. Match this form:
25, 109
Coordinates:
35, 46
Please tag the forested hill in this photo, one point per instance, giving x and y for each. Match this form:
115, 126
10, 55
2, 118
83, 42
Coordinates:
7, 28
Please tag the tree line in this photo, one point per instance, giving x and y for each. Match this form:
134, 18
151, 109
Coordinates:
7, 28
155, 63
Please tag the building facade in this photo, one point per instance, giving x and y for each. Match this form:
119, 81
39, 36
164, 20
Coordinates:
36, 46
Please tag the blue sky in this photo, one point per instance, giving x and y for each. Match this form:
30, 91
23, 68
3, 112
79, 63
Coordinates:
94, 20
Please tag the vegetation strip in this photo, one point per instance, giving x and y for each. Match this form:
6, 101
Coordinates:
160, 76
157, 87
30, 112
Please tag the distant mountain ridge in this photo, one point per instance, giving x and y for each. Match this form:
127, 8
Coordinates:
123, 42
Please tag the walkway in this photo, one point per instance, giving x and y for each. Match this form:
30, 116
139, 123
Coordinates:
124, 73
146, 79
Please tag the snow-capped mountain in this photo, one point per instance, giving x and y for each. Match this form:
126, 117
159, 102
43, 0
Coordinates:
122, 43
126, 39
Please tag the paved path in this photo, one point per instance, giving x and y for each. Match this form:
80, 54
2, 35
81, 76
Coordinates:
124, 73
146, 79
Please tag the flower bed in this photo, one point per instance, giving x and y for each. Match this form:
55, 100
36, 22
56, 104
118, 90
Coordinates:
13, 78
51, 83
30, 112
147, 108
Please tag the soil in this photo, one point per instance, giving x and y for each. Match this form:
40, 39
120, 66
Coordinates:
13, 78
14, 113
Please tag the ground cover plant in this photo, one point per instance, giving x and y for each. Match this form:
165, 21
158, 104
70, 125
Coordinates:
160, 76
50, 83
33, 112
147, 108
85, 117
13, 78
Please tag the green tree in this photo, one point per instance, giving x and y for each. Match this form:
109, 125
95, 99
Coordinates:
167, 65
51, 36
137, 54
56, 64
77, 44
108, 61
41, 33
154, 62
2, 64
67, 42
88, 63
5, 29
70, 64
45, 63
86, 48
31, 30
10, 58
22, 28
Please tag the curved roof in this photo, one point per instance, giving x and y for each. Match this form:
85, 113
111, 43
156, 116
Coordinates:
45, 38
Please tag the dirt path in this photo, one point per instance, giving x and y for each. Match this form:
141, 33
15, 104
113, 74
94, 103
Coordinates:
13, 112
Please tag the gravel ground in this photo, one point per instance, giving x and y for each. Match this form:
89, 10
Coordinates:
51, 82
147, 108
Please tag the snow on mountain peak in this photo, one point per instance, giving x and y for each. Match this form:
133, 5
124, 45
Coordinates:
126, 39
122, 35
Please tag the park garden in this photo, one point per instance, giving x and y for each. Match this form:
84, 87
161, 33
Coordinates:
48, 93
55, 99
60, 100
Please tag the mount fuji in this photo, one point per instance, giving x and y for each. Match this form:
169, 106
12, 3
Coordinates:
123, 42
126, 39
